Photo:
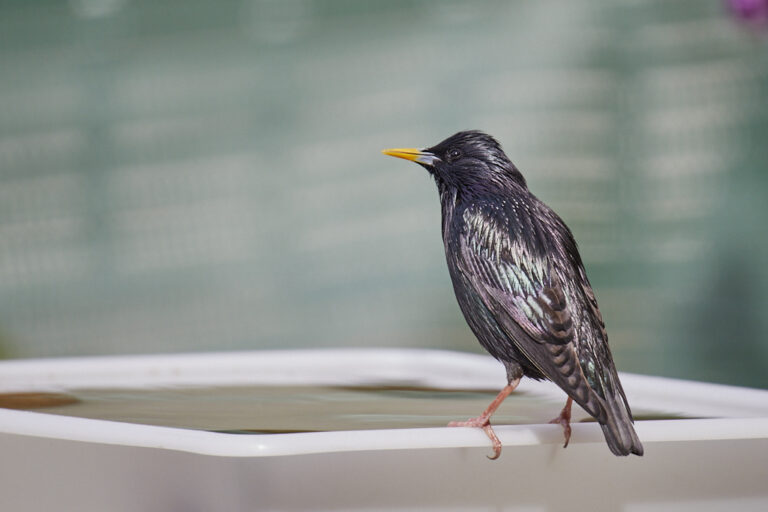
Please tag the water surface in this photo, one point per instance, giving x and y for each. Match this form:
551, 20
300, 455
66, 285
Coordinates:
282, 409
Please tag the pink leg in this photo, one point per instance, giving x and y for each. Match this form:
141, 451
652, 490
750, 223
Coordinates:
484, 420
565, 420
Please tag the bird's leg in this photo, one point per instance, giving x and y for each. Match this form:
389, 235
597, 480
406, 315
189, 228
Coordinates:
565, 420
484, 420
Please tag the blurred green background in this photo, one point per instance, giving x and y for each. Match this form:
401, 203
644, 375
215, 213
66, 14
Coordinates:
186, 175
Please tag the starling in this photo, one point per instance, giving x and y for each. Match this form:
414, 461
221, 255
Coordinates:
519, 280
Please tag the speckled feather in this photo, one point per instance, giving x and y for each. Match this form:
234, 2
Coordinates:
520, 282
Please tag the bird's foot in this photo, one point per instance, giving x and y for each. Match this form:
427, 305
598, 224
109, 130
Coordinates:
480, 421
483, 422
564, 419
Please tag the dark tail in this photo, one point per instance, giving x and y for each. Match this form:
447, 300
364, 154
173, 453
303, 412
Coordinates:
617, 428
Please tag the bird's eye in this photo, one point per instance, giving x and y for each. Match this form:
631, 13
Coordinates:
453, 154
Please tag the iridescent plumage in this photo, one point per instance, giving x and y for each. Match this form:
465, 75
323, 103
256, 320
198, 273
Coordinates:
520, 282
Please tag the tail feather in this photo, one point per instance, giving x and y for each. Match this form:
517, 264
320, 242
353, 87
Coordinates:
618, 427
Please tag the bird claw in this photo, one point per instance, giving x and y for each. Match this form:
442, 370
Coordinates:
566, 424
484, 423
564, 420
494, 440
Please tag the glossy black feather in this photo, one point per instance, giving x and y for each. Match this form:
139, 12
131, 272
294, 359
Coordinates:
520, 282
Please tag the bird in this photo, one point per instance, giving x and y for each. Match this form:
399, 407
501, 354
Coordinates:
521, 285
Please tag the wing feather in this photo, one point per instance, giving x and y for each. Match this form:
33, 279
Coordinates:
526, 295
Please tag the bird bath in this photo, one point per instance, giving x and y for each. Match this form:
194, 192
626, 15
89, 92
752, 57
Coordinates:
356, 429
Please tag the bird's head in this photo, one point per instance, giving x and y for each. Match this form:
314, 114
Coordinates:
470, 161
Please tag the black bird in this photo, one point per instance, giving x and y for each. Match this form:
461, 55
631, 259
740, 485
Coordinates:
521, 285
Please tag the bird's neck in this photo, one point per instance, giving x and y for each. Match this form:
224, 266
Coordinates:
449, 198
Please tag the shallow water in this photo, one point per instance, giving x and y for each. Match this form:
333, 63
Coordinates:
282, 409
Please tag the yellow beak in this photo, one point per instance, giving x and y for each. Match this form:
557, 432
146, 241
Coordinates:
412, 154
